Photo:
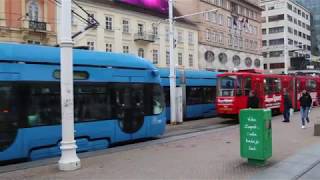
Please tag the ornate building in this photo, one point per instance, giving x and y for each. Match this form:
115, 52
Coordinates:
230, 37
28, 21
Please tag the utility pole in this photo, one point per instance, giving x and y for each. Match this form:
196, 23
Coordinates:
172, 67
69, 160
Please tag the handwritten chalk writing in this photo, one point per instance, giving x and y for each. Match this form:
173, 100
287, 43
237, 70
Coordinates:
252, 148
252, 134
251, 119
250, 127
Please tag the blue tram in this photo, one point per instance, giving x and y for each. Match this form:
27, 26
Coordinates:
116, 98
198, 89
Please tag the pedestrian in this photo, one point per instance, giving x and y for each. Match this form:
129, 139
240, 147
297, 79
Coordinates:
305, 104
287, 106
253, 100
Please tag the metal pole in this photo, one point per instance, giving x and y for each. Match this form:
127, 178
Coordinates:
172, 67
69, 160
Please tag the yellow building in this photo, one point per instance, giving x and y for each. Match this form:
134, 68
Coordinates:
135, 30
28, 21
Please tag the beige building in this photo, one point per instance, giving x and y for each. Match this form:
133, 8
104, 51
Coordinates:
28, 21
229, 38
129, 29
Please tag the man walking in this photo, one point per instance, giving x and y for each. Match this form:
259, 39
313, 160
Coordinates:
287, 106
305, 104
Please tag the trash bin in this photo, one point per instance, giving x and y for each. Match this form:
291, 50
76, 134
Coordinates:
255, 135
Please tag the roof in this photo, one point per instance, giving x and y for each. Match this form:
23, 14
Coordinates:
121, 5
46, 54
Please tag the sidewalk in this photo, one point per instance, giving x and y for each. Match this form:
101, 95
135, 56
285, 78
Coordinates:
211, 154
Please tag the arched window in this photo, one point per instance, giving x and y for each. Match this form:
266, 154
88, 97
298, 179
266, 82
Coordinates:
223, 58
257, 63
236, 60
248, 62
141, 52
33, 10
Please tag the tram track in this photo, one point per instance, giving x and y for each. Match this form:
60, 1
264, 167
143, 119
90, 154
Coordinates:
166, 138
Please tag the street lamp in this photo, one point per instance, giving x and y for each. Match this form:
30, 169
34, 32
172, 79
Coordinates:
69, 160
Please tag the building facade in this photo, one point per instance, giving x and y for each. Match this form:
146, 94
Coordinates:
229, 38
314, 7
131, 29
285, 34
28, 21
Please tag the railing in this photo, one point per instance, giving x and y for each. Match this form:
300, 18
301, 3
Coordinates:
143, 36
36, 25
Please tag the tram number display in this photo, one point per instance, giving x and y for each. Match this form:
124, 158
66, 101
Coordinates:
272, 102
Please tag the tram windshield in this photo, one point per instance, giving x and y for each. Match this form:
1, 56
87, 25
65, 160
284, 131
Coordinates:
229, 86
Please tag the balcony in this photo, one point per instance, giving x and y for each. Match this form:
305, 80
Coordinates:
37, 26
144, 37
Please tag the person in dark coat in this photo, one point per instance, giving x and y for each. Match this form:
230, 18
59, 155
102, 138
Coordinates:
253, 100
287, 106
305, 104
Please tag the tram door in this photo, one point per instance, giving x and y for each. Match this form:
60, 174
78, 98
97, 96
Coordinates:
129, 108
8, 117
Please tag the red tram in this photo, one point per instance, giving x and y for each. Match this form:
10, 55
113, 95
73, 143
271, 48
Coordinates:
233, 90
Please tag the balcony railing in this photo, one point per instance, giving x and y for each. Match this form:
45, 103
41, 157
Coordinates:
37, 26
143, 36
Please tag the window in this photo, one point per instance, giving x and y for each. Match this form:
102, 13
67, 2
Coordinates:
275, 54
125, 26
290, 30
125, 49
290, 41
190, 60
289, 18
276, 18
167, 34
200, 95
141, 52
264, 31
276, 65
276, 30
155, 31
180, 37
247, 86
289, 6
180, 59
108, 23
90, 45
140, 29
264, 43
33, 11
191, 37
229, 86
155, 56
311, 85
108, 47
167, 57
272, 85
236, 60
274, 42
248, 62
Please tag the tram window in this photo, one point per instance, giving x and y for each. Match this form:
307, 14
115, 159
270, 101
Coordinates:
8, 116
158, 100
194, 95
311, 85
272, 86
230, 86
91, 103
209, 95
43, 105
166, 91
247, 86
277, 85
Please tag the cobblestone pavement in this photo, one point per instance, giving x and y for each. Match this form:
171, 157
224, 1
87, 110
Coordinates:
212, 155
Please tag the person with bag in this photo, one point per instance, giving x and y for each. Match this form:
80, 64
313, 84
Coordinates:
287, 106
305, 104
